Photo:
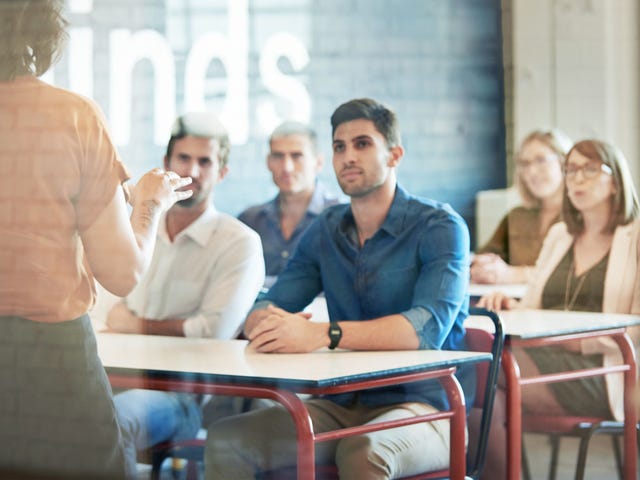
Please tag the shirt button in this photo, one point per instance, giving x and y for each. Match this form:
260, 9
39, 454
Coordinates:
284, 254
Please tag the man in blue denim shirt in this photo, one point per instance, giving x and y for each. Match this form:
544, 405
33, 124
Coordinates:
294, 162
394, 269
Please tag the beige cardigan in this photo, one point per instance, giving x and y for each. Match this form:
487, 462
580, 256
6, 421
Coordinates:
621, 293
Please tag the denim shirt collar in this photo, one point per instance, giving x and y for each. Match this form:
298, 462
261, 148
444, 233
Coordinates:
393, 224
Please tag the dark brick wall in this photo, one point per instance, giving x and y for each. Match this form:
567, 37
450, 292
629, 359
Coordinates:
438, 63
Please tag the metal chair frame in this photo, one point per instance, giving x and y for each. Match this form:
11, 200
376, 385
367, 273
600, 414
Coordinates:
583, 428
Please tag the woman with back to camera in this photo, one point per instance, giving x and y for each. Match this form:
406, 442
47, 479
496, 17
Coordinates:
588, 262
64, 221
509, 255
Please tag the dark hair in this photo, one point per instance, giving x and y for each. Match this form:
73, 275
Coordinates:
624, 202
201, 124
383, 118
32, 33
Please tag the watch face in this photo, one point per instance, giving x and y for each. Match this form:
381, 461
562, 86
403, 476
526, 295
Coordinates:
335, 334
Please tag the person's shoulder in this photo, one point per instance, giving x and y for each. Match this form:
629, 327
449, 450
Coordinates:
334, 211
67, 108
523, 211
233, 227
631, 228
558, 230
252, 212
427, 214
424, 208
69, 98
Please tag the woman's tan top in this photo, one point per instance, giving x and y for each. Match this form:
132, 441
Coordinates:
58, 171
518, 239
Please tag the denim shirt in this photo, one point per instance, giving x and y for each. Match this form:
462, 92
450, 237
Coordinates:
265, 219
416, 264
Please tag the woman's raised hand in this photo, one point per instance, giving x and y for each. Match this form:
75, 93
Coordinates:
160, 187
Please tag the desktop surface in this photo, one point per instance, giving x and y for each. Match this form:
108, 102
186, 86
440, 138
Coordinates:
233, 361
531, 323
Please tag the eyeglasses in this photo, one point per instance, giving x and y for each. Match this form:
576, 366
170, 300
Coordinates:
539, 161
589, 170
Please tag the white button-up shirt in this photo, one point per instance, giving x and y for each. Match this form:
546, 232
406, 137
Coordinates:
209, 275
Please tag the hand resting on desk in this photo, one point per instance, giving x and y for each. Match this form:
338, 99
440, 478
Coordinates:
491, 268
497, 301
278, 331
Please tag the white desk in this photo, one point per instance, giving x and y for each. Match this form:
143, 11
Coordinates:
531, 323
228, 367
536, 328
514, 290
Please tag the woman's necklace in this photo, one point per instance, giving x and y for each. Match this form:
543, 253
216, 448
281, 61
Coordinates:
569, 304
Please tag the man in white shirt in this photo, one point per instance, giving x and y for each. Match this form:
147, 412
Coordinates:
206, 271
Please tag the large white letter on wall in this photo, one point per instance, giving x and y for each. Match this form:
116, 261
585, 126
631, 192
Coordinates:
126, 50
81, 60
233, 51
283, 45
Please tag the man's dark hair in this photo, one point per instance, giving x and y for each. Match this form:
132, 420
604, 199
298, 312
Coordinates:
383, 118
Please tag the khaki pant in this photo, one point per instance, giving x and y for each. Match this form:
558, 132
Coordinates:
241, 446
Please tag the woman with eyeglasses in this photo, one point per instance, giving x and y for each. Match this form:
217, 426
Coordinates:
509, 255
589, 262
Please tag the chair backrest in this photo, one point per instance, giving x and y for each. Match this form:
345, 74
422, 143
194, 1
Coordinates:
487, 381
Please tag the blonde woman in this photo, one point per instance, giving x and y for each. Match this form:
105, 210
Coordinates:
512, 250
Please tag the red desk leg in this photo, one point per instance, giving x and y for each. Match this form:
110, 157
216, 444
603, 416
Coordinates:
514, 404
630, 416
301, 420
304, 434
514, 415
457, 451
289, 400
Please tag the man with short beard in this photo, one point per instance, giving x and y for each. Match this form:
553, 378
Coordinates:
206, 271
394, 268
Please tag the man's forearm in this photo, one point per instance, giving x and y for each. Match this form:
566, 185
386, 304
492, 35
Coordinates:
123, 320
174, 328
393, 332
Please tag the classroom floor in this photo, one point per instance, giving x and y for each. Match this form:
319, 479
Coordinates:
600, 462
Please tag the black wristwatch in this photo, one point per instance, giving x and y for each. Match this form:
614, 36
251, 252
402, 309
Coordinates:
335, 334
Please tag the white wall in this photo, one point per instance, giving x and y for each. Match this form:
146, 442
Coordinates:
576, 67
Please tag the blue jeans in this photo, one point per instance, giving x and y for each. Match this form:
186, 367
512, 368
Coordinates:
148, 417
